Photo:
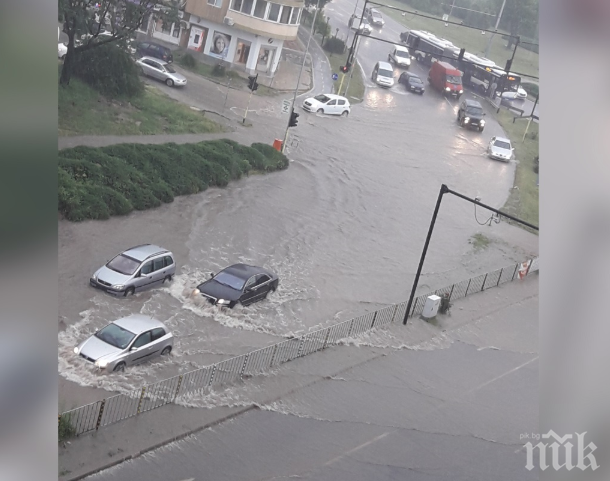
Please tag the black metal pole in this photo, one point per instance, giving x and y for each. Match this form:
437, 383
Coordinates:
444, 190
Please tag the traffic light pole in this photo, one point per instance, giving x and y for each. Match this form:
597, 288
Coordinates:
252, 86
446, 190
246, 112
296, 89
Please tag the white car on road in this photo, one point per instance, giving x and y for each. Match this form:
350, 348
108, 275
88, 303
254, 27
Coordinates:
327, 104
500, 148
520, 94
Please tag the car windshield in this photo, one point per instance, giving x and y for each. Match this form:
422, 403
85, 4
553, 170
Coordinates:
322, 98
385, 73
454, 79
400, 53
502, 145
475, 110
115, 336
376, 15
415, 80
123, 264
230, 280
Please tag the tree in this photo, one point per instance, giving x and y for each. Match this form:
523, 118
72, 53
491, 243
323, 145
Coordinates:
313, 3
84, 21
520, 18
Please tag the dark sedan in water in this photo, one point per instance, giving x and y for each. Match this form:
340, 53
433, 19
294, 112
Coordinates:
239, 283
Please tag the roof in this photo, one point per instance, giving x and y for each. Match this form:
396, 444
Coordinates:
401, 48
472, 103
154, 59
503, 139
138, 323
144, 251
335, 96
385, 65
244, 271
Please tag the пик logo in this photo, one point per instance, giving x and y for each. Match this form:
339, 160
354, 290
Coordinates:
567, 450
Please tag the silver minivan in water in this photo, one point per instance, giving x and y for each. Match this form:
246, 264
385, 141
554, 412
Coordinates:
383, 74
135, 270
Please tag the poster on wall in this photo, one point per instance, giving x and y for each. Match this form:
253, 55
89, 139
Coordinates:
220, 45
197, 39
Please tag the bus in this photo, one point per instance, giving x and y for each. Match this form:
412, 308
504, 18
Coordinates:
426, 47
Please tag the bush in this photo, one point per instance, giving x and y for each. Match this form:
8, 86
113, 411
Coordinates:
110, 70
334, 45
96, 183
65, 429
219, 70
188, 60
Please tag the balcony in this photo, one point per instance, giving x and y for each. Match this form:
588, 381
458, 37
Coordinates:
265, 18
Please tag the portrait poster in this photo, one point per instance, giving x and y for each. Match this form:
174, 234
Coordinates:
220, 45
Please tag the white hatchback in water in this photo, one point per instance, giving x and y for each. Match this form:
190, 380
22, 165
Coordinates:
330, 104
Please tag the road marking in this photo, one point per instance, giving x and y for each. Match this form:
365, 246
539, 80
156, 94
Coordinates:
357, 448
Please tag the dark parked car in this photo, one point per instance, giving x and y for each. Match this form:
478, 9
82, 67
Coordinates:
238, 283
412, 82
471, 115
150, 49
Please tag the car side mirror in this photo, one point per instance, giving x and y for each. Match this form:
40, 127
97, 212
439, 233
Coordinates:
134, 348
96, 329
211, 275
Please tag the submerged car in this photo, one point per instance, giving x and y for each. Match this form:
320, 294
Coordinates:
239, 283
330, 104
412, 82
134, 270
153, 67
125, 342
500, 148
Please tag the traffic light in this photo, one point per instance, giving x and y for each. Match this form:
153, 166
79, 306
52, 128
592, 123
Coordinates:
461, 54
345, 68
252, 84
293, 119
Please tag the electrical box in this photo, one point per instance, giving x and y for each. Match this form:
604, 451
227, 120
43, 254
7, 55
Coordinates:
431, 306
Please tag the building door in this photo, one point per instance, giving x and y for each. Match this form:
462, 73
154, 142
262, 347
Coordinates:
265, 58
242, 52
197, 38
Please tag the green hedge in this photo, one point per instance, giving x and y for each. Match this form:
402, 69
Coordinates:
96, 183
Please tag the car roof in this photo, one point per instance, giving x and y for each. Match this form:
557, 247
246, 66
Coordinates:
385, 65
472, 103
244, 271
400, 48
154, 59
144, 251
334, 96
138, 323
503, 139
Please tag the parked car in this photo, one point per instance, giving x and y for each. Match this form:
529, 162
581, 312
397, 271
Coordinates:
62, 50
125, 342
400, 56
500, 148
151, 49
134, 270
412, 82
383, 74
520, 94
161, 71
374, 16
446, 79
470, 114
239, 283
327, 104
362, 27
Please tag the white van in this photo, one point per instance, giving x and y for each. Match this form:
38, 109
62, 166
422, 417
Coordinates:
383, 74
400, 56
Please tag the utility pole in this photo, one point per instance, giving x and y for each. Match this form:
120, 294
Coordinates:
296, 89
351, 74
486, 55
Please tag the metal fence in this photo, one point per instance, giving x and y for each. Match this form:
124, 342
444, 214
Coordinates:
93, 416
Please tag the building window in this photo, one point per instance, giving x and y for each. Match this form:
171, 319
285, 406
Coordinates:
243, 6
260, 8
274, 12
144, 26
176, 31
215, 3
294, 18
285, 17
236, 5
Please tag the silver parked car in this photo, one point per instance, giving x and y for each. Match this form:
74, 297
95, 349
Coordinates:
135, 270
153, 67
127, 341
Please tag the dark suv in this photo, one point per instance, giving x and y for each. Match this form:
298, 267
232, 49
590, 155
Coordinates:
471, 115
150, 49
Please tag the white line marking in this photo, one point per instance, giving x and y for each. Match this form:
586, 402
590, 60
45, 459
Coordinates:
347, 453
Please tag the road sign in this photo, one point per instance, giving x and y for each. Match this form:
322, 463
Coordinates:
286, 104
335, 76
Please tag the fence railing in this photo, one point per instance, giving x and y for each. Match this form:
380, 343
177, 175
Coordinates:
107, 411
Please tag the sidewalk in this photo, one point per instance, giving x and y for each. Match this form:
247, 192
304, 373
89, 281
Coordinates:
111, 445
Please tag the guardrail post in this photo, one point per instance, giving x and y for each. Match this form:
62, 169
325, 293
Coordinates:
99, 417
273, 355
326, 338
483, 286
177, 388
514, 272
141, 398
468, 286
212, 376
243, 367
500, 277
300, 350
351, 326
395, 311
374, 317
451, 292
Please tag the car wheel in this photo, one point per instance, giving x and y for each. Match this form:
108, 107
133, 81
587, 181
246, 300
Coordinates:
166, 351
320, 111
120, 367
129, 292
169, 82
344, 113
481, 129
168, 279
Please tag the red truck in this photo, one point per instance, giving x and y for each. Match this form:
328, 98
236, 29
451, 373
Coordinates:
446, 78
